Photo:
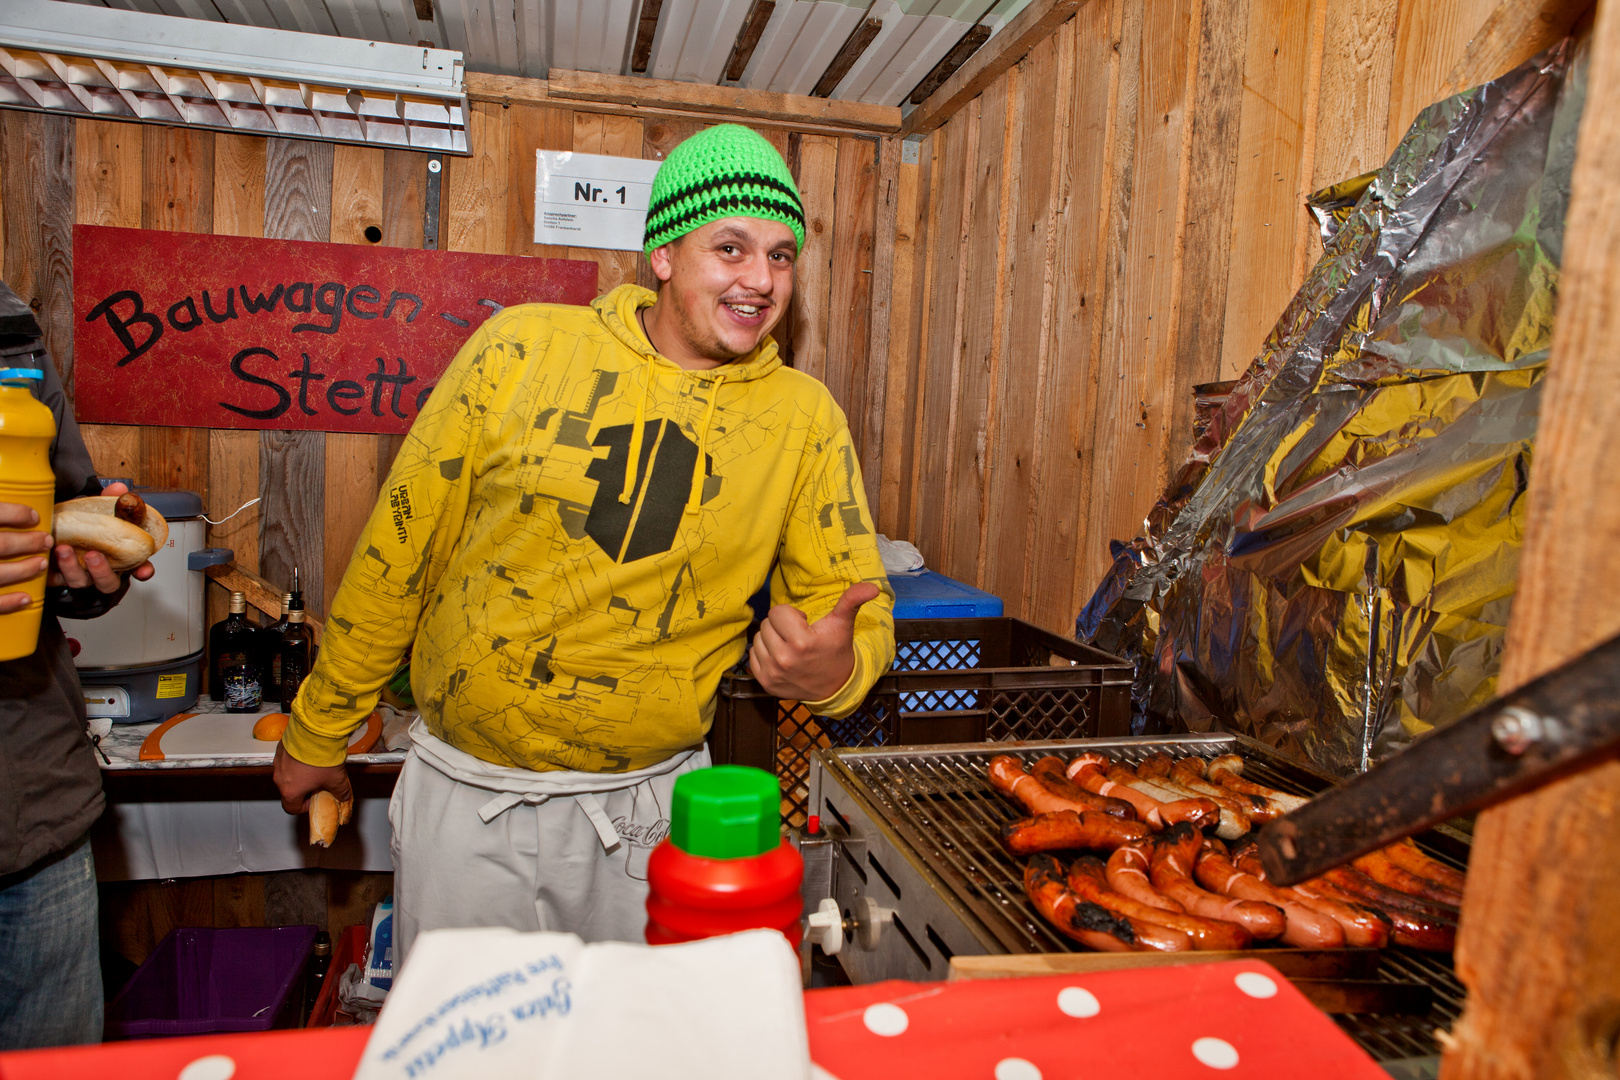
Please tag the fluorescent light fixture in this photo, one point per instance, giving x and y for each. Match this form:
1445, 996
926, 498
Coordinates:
130, 65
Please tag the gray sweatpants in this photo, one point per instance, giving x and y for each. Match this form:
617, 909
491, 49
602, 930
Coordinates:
477, 844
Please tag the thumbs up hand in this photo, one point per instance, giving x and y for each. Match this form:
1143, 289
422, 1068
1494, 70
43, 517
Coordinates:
802, 662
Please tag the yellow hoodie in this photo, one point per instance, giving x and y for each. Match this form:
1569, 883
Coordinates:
569, 538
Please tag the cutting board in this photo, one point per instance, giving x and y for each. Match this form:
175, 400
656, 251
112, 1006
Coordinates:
230, 735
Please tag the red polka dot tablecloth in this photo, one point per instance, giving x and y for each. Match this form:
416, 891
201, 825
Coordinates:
1237, 1018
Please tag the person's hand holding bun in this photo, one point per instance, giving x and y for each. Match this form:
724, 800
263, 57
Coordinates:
120, 526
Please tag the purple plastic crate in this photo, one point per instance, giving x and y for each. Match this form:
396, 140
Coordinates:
200, 981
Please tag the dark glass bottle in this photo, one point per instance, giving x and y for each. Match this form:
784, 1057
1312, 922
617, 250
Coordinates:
320, 961
272, 650
295, 651
236, 651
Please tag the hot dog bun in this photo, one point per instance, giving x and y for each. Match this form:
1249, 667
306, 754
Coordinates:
92, 524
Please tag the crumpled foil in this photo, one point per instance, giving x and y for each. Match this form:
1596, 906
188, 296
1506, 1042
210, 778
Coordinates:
1332, 568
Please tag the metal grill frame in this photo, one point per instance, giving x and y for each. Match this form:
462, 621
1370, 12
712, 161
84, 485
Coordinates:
934, 809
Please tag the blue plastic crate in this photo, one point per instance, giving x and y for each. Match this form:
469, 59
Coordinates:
927, 595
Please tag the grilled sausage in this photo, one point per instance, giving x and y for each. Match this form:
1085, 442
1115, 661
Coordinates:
1128, 875
1234, 816
1049, 771
1364, 927
102, 523
1067, 830
1227, 770
1427, 932
1174, 855
1088, 923
1418, 923
1157, 765
1174, 806
1087, 771
131, 507
1007, 776
1088, 880
1188, 772
1408, 856
1382, 869
1304, 927
1349, 879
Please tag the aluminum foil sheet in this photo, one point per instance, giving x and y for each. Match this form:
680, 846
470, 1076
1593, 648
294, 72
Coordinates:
1332, 568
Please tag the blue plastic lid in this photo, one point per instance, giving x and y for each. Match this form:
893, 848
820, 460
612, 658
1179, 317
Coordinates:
19, 374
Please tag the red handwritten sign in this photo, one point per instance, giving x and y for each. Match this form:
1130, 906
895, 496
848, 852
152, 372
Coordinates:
189, 330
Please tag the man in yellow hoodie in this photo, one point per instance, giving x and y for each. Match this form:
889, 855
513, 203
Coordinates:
568, 541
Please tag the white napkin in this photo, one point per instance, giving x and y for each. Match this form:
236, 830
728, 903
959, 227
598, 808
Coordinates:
899, 556
494, 1003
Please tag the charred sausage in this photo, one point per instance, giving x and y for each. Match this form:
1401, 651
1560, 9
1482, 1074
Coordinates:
1090, 924
1088, 880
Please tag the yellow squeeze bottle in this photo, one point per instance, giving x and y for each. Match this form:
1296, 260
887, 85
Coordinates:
26, 431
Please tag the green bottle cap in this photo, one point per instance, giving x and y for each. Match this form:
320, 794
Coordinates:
726, 812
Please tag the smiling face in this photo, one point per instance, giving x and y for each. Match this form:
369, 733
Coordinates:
722, 287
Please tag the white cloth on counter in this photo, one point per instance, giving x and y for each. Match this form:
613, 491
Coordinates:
136, 841
899, 556
496, 1004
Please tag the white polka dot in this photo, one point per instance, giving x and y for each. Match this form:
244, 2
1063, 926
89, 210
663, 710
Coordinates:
886, 1019
1077, 1001
1255, 984
1016, 1069
212, 1067
1216, 1053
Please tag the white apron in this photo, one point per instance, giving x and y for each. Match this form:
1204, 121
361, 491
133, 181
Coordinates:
477, 844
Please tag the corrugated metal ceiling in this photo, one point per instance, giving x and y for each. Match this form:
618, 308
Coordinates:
692, 40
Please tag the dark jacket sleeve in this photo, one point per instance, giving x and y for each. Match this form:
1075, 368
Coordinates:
75, 475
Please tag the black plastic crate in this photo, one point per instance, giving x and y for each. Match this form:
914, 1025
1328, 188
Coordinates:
954, 680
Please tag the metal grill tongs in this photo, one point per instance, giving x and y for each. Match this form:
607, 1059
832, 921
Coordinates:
1556, 725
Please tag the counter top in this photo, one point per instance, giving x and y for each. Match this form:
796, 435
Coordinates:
121, 747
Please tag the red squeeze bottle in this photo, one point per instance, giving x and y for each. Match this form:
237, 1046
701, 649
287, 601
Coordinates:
725, 866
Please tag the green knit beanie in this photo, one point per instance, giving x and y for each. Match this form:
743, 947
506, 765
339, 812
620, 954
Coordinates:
723, 171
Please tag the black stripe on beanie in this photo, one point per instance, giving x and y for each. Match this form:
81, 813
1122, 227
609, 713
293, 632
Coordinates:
742, 180
740, 203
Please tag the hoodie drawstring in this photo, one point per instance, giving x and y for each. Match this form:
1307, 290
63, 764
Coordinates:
698, 478
634, 463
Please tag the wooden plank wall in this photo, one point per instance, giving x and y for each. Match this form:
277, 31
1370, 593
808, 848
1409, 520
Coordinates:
1115, 220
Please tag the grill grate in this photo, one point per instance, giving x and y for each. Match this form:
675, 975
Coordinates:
940, 802
953, 681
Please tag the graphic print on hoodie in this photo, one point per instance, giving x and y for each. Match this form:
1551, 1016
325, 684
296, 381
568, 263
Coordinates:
569, 537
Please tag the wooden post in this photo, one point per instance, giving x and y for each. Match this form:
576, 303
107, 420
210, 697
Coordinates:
1540, 944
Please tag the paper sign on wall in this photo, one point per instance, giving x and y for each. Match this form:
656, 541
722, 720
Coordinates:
591, 200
